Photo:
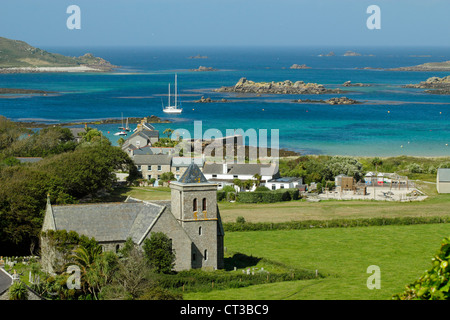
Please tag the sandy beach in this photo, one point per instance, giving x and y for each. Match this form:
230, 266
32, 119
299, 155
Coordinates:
48, 69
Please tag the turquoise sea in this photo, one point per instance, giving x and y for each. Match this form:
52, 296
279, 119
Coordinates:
391, 121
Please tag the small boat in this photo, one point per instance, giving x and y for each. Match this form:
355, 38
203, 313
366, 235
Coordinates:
173, 109
120, 133
126, 128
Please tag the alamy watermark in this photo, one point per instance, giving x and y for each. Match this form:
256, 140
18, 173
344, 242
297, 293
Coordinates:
374, 20
74, 20
74, 280
374, 280
235, 145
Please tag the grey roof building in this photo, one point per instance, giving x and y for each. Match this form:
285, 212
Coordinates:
443, 180
191, 219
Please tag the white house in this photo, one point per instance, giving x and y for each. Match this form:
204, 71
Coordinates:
443, 180
284, 183
225, 173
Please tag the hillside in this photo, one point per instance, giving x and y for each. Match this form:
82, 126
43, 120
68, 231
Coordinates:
16, 54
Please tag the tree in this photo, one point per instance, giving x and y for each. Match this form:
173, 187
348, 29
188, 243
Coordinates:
167, 176
376, 162
168, 132
129, 279
121, 141
159, 253
258, 178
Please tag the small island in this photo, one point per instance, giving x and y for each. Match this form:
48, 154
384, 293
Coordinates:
19, 57
283, 87
198, 57
202, 68
350, 84
329, 54
429, 66
209, 100
332, 101
299, 66
351, 54
434, 85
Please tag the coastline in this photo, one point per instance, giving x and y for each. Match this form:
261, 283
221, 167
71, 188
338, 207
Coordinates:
51, 69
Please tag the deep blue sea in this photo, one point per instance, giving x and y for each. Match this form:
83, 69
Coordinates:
391, 121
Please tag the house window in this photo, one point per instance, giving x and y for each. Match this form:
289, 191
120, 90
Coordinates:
177, 168
214, 175
205, 255
274, 187
117, 248
159, 168
159, 176
149, 168
204, 204
199, 231
282, 186
235, 176
194, 205
139, 168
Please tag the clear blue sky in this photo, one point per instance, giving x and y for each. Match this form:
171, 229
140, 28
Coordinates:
227, 22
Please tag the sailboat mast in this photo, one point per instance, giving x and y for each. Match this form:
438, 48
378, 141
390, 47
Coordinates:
169, 94
176, 90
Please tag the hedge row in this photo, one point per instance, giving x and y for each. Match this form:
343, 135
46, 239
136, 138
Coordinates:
333, 223
268, 196
195, 280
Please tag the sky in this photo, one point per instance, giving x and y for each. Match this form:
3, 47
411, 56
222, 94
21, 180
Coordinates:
227, 23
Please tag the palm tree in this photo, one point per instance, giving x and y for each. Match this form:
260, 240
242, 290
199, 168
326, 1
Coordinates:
85, 258
376, 162
258, 178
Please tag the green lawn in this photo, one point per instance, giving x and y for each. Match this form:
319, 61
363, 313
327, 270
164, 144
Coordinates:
401, 252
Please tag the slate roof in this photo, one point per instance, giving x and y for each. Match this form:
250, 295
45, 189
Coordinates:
193, 175
150, 159
108, 221
5, 281
443, 174
153, 150
241, 169
186, 161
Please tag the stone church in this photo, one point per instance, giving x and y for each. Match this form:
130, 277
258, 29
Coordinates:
191, 219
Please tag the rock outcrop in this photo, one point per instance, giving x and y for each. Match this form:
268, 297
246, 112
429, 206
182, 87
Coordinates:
351, 54
434, 85
332, 101
208, 100
202, 68
330, 54
283, 87
299, 66
350, 84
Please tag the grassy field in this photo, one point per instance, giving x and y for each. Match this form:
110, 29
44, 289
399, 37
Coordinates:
401, 252
435, 205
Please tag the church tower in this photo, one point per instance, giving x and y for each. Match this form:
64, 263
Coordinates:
194, 205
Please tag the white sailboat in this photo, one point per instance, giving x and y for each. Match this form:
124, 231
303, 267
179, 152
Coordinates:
173, 109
